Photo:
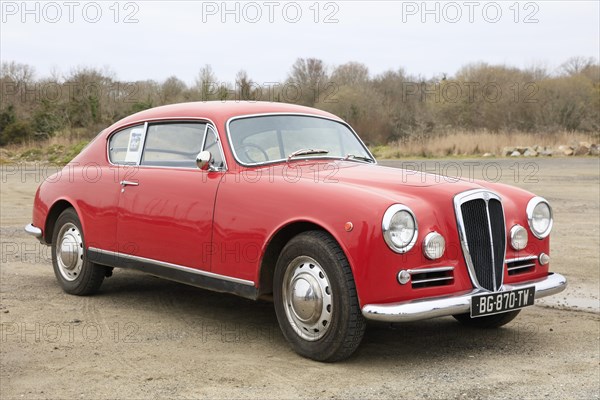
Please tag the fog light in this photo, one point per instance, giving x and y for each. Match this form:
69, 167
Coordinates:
403, 277
518, 237
434, 245
544, 259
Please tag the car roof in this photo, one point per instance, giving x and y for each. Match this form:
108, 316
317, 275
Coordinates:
219, 111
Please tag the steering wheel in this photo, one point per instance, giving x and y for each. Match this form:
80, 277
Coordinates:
246, 147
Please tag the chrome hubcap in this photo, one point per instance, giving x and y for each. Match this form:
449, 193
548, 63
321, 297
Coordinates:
307, 297
69, 252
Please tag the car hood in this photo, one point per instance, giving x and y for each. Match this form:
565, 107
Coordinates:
377, 177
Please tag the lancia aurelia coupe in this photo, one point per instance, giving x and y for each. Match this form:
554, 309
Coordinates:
278, 201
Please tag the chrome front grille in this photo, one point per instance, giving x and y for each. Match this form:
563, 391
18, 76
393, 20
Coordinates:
482, 231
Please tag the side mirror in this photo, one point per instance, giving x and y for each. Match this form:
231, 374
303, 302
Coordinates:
203, 160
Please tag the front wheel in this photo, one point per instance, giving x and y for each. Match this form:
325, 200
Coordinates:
490, 321
74, 272
315, 298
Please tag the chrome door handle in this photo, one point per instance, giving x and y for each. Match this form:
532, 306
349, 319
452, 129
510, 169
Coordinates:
129, 183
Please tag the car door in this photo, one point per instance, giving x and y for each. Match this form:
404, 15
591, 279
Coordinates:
166, 207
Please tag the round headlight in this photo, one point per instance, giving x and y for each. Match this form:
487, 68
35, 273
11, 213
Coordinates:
399, 228
434, 245
539, 215
518, 237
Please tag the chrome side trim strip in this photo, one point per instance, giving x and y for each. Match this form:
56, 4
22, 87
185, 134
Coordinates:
454, 304
517, 259
518, 267
445, 278
33, 231
429, 270
173, 266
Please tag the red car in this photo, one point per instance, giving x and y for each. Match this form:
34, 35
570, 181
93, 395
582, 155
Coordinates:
269, 199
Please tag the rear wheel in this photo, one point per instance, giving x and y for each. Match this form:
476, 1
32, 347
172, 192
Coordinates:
74, 272
490, 321
315, 298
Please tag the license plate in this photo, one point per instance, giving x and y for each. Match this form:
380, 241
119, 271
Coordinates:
496, 303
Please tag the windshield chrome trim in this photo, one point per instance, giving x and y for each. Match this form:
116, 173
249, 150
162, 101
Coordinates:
268, 114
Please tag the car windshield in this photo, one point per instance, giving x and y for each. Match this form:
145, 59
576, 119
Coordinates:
272, 138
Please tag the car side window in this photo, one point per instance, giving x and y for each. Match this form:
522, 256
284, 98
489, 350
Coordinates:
173, 144
119, 144
212, 144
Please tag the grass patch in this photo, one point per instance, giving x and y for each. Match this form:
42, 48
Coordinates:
469, 144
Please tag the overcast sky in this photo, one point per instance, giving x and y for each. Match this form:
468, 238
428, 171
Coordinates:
156, 39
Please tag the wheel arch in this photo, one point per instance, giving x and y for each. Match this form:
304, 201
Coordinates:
276, 244
57, 208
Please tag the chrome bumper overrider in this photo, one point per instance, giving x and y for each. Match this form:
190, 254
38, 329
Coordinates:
415, 310
33, 231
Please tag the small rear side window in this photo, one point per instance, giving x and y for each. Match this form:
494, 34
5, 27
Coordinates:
124, 142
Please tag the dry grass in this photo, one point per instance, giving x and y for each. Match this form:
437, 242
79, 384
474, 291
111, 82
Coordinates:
59, 149
65, 145
464, 143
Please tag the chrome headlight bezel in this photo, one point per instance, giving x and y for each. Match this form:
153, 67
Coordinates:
430, 239
514, 231
387, 234
531, 206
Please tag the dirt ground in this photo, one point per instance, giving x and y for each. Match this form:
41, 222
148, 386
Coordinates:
143, 337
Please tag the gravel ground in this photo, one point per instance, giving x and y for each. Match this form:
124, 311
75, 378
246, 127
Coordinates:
143, 337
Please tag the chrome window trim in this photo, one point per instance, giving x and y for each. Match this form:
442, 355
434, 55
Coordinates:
530, 207
119, 130
385, 226
211, 127
459, 199
147, 122
174, 266
269, 114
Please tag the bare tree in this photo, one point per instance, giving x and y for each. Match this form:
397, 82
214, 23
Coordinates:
576, 65
309, 75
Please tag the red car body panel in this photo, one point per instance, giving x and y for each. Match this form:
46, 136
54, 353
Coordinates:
223, 222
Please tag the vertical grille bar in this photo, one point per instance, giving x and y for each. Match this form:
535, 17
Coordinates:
482, 231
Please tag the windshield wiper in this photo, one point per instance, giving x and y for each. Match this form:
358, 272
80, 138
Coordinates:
358, 158
306, 152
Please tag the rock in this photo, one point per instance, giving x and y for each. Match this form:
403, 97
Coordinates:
521, 149
594, 150
507, 151
488, 155
565, 150
515, 154
582, 149
546, 152
530, 153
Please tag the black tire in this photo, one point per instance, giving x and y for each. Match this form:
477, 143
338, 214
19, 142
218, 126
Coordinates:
345, 327
489, 322
75, 274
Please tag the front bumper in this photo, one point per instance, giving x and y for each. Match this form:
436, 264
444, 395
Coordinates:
415, 310
34, 231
